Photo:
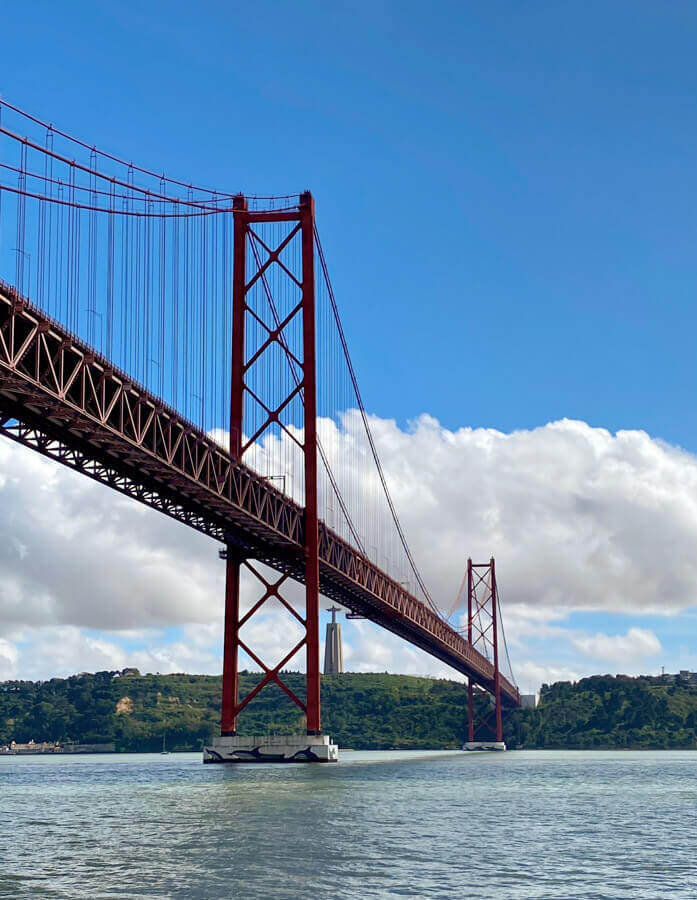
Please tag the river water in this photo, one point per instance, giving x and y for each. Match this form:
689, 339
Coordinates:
509, 825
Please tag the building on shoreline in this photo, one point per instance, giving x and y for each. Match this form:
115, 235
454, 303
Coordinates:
33, 747
684, 676
529, 701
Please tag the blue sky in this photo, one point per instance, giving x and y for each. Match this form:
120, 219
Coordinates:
505, 191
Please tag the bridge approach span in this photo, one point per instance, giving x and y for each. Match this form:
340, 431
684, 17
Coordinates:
62, 399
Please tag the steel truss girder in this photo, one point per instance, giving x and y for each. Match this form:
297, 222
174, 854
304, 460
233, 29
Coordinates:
63, 400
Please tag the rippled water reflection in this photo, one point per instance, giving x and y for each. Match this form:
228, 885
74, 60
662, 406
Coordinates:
516, 825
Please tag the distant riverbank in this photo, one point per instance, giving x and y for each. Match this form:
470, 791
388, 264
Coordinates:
135, 712
50, 748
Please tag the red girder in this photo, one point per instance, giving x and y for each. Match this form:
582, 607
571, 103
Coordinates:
67, 402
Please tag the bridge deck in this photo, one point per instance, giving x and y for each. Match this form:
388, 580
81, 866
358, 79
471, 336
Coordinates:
62, 399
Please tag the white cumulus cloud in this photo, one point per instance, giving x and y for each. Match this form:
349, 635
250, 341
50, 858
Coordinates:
636, 644
578, 518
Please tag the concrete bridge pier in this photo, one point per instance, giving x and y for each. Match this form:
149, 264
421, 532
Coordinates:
484, 745
272, 748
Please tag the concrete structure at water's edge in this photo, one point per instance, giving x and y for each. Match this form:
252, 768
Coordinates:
33, 747
484, 745
333, 656
271, 748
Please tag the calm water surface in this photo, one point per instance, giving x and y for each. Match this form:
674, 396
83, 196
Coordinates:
516, 825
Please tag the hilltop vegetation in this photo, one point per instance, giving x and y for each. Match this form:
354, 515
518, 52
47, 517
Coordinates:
359, 710
613, 711
363, 711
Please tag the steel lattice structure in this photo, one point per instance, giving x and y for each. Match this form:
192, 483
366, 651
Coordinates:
63, 400
483, 634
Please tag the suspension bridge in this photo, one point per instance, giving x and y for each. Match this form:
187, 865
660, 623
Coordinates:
183, 346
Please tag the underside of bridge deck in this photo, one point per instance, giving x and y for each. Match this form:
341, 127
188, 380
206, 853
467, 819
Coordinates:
61, 399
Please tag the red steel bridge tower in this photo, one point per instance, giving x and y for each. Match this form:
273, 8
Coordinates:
484, 726
245, 354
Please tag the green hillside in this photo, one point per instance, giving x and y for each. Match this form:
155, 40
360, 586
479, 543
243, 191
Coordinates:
613, 711
369, 711
363, 711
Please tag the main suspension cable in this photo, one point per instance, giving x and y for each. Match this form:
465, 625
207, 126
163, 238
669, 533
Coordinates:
366, 425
